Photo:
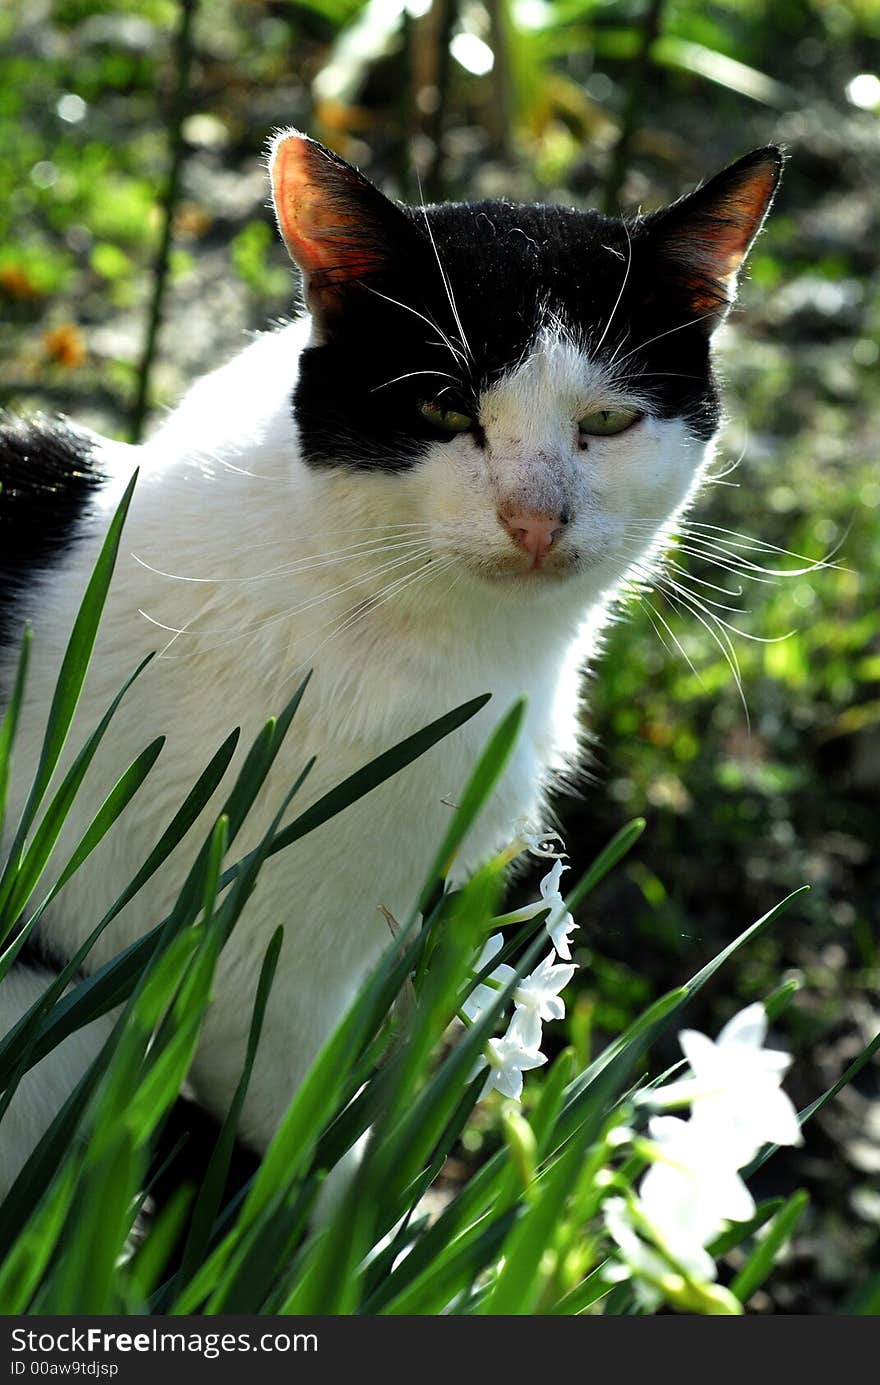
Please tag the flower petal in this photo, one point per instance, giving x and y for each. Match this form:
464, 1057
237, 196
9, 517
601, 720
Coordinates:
779, 1124
491, 948
509, 1082
559, 930
700, 1052
749, 1027
549, 886
525, 1028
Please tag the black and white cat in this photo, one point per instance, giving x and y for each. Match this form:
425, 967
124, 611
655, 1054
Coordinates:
430, 485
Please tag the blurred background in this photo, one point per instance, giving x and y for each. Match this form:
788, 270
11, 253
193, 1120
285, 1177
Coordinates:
136, 250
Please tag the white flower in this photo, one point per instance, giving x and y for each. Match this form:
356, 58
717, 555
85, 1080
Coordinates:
537, 998
735, 1087
692, 1188
690, 1192
484, 995
559, 922
640, 1261
507, 1060
548, 845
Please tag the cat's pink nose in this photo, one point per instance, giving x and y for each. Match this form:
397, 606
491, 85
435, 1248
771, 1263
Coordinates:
535, 533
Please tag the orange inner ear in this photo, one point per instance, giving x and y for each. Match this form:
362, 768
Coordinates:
320, 214
715, 228
740, 216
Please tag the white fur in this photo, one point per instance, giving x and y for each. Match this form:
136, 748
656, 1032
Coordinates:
224, 499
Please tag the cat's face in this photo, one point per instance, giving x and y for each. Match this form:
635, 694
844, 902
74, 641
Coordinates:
530, 388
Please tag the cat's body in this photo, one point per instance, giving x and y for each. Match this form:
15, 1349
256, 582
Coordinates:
414, 556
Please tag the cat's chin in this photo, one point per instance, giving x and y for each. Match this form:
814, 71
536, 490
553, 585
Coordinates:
515, 572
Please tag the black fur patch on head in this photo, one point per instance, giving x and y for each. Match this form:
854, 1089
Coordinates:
509, 269
462, 290
48, 478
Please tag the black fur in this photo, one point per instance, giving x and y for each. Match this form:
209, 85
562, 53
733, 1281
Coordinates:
509, 267
48, 477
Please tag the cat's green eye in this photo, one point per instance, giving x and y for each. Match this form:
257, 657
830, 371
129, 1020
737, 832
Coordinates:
604, 423
448, 419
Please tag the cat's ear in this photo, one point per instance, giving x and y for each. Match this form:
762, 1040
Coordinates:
338, 228
703, 239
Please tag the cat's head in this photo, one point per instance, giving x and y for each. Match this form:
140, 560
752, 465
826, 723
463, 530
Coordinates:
531, 383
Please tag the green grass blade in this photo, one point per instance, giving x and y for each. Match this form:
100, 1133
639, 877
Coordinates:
593, 1287
317, 1098
740, 1231
371, 775
74, 667
111, 809
24, 1265
480, 786
84, 1281
408, 1145
111, 983
214, 1182
855, 1067
9, 725
26, 871
252, 1275
430, 1292
157, 1247
621, 843
45, 1159
708, 971
520, 1281
631, 1045
762, 1259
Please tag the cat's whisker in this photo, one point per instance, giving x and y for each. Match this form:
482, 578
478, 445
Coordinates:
618, 348
699, 546
324, 597
623, 285
736, 569
737, 539
684, 600
419, 544
691, 322
273, 543
410, 375
714, 549
364, 608
704, 605
721, 638
294, 569
435, 326
334, 621
328, 558
716, 605
635, 556
292, 611
447, 286
702, 581
652, 610
717, 479
653, 614
664, 375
